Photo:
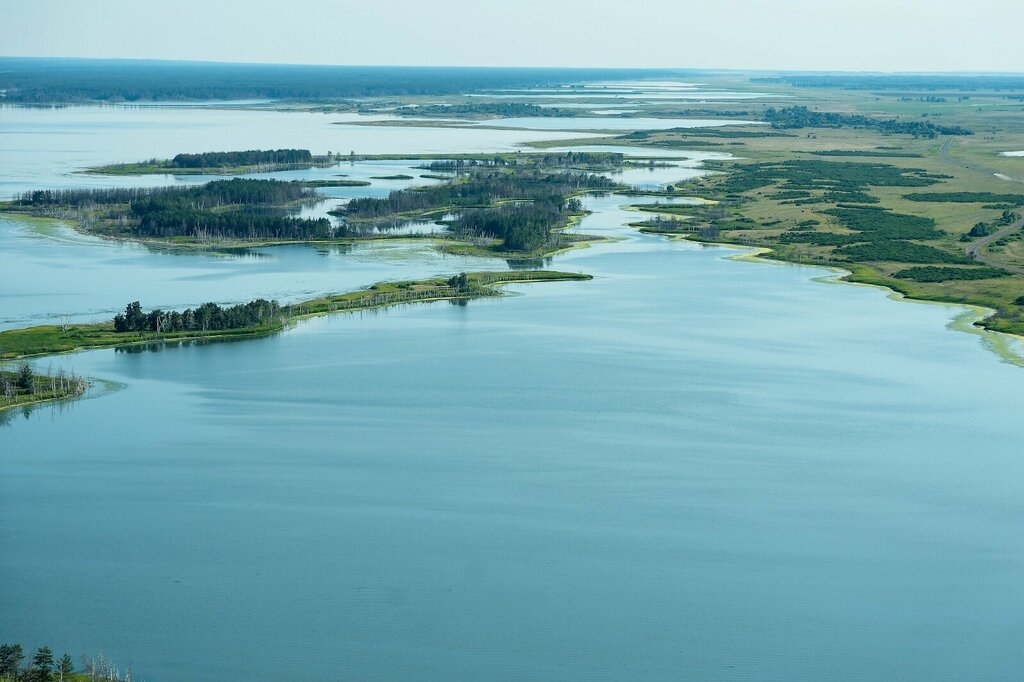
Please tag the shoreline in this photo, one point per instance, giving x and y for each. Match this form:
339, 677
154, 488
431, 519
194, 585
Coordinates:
996, 342
219, 248
143, 168
484, 284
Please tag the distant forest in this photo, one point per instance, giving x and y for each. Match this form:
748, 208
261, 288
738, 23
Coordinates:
802, 117
32, 80
251, 157
503, 109
855, 81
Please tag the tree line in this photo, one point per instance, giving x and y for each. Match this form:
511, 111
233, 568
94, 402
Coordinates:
821, 175
802, 117
899, 82
480, 189
247, 224
214, 194
42, 668
519, 226
249, 157
84, 198
548, 159
193, 212
76, 80
238, 208
207, 317
502, 109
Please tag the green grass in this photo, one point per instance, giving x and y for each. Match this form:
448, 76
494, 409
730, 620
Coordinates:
50, 339
45, 388
335, 183
803, 210
166, 167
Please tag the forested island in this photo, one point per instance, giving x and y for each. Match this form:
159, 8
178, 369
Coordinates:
257, 318
221, 163
511, 203
236, 209
499, 207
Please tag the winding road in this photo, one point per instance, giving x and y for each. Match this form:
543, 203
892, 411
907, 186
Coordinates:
976, 248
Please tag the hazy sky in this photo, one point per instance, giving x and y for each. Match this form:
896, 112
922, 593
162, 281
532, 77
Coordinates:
883, 35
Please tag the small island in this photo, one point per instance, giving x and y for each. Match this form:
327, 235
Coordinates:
222, 163
257, 318
519, 205
216, 212
510, 205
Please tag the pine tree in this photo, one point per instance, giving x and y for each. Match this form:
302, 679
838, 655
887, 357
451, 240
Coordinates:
24, 381
7, 663
65, 668
42, 665
11, 657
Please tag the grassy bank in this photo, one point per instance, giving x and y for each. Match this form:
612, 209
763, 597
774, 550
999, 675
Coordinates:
221, 163
23, 386
51, 339
907, 212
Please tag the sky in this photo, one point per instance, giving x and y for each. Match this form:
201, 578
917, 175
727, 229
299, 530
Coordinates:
815, 35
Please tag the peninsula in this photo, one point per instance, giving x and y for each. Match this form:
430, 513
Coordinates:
211, 322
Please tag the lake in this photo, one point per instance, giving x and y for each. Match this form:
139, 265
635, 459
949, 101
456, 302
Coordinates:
688, 467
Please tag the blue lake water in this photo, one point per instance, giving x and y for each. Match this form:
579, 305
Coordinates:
48, 147
688, 467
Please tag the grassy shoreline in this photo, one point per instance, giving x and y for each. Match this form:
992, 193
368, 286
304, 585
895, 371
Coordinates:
45, 340
893, 210
165, 167
452, 244
971, 321
22, 387
864, 275
448, 243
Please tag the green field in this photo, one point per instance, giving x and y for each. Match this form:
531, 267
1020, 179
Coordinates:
896, 210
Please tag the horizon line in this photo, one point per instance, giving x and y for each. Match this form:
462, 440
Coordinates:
200, 62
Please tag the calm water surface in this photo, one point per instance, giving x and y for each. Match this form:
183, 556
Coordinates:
41, 148
689, 467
